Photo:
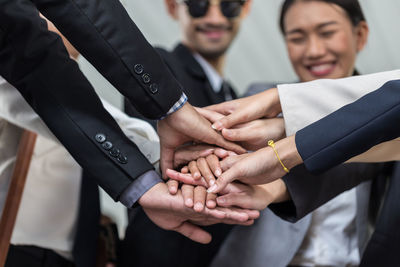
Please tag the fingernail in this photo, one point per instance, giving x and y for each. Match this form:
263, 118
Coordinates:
218, 172
217, 125
172, 189
189, 202
212, 188
211, 203
221, 200
228, 132
211, 182
198, 206
196, 175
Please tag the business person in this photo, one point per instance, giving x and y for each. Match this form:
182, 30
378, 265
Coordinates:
198, 63
323, 39
104, 34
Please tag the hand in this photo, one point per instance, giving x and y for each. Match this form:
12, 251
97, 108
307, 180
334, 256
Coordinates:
186, 154
186, 125
169, 212
260, 167
265, 104
255, 134
256, 197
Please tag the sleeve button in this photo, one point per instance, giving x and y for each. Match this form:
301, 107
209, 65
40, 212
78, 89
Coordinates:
100, 138
154, 88
107, 145
138, 68
146, 78
114, 152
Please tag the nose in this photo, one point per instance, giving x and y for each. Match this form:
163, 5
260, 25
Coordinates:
315, 47
214, 14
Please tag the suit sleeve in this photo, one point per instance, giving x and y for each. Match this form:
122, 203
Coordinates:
37, 64
351, 130
105, 35
308, 191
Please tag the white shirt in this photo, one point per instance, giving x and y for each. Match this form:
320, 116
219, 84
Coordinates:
48, 211
212, 75
332, 238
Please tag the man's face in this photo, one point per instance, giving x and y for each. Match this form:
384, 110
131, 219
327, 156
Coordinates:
210, 35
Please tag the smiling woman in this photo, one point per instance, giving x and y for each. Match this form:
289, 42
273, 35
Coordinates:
323, 37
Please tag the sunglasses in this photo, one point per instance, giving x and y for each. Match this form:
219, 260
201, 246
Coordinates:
229, 8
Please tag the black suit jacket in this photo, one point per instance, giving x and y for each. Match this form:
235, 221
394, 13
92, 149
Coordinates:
35, 61
190, 74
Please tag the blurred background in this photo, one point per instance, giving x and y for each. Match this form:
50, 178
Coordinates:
258, 54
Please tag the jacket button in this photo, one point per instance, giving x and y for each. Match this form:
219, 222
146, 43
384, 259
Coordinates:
107, 145
114, 152
122, 159
146, 78
138, 68
154, 88
100, 138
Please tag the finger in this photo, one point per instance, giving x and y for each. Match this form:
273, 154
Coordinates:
230, 120
199, 198
211, 201
194, 170
187, 193
210, 115
184, 178
228, 162
221, 153
183, 156
238, 134
213, 163
185, 170
172, 186
219, 140
235, 199
234, 214
205, 171
225, 178
194, 233
224, 108
167, 159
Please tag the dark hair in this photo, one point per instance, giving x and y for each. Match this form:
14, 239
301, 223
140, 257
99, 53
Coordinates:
352, 8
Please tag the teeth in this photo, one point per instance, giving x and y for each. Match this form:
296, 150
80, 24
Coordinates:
320, 68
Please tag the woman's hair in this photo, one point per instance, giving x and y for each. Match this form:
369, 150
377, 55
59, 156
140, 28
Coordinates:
352, 8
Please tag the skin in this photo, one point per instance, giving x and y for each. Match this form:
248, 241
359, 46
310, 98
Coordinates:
211, 35
321, 40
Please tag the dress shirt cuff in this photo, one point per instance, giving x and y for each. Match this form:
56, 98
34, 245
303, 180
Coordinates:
139, 187
182, 100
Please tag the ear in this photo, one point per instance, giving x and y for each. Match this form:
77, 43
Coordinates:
246, 9
362, 32
172, 8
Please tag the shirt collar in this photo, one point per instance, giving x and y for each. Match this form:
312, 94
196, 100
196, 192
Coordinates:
212, 75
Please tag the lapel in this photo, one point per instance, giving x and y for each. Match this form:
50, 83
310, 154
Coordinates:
196, 72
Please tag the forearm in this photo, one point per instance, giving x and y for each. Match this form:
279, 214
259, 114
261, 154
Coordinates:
305, 103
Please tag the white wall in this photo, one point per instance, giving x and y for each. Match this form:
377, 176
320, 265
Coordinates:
259, 53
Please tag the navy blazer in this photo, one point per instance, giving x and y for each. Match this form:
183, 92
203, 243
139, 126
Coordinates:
36, 62
351, 130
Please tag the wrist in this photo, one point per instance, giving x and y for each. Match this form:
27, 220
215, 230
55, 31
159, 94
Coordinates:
274, 104
288, 153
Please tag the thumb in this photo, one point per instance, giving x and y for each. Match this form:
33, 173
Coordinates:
223, 181
230, 121
167, 160
194, 233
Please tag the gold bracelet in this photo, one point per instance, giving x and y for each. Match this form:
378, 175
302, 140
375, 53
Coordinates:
271, 143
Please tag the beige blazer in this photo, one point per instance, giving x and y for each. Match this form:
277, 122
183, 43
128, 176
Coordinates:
305, 103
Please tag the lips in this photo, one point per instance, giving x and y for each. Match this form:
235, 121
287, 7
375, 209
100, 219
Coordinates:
213, 32
322, 69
